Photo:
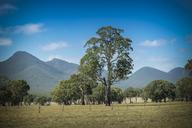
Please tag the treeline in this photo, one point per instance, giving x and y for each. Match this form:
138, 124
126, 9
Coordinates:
12, 92
15, 92
75, 91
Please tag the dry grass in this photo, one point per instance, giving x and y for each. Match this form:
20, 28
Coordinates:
168, 115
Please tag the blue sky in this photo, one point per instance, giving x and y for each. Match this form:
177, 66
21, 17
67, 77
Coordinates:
161, 30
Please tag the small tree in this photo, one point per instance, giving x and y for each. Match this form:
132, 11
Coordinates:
84, 85
138, 92
130, 92
184, 88
5, 94
28, 99
65, 92
99, 93
159, 90
18, 89
42, 100
117, 94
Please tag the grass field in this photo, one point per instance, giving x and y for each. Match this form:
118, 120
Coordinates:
165, 115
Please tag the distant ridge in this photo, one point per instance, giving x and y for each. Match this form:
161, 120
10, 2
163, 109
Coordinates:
145, 75
43, 76
63, 66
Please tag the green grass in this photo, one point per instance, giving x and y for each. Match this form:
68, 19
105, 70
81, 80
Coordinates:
165, 115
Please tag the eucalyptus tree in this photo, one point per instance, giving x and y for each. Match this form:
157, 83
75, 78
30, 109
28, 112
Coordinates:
130, 92
5, 94
28, 99
84, 85
184, 88
159, 90
117, 95
18, 89
107, 58
99, 93
65, 92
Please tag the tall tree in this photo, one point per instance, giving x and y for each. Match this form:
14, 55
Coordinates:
107, 58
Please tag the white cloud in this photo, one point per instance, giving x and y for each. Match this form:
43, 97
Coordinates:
153, 43
157, 43
27, 29
55, 46
6, 8
5, 41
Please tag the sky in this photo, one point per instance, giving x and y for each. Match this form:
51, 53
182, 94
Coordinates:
161, 30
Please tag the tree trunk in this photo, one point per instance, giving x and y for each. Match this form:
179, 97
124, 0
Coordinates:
106, 95
63, 107
106, 92
186, 98
109, 95
83, 100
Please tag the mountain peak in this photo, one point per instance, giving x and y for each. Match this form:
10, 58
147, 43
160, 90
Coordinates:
17, 62
22, 54
149, 69
57, 60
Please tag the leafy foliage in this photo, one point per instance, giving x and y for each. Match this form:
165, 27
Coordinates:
65, 92
117, 94
28, 99
184, 88
12, 91
99, 93
42, 100
159, 90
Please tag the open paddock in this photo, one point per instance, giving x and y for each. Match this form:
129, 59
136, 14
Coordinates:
150, 115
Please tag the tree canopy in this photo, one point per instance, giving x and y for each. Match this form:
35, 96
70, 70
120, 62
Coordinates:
12, 91
159, 90
184, 88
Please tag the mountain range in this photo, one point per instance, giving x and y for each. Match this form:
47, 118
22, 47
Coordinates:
40, 75
43, 76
